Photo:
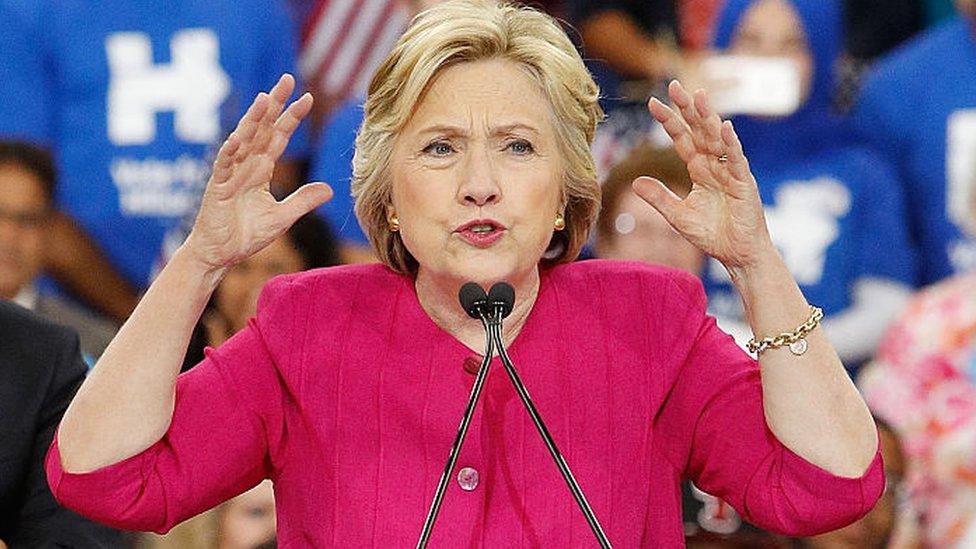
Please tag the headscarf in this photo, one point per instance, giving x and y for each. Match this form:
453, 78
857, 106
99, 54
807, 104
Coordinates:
814, 125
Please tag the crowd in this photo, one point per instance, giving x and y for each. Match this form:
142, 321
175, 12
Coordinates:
858, 118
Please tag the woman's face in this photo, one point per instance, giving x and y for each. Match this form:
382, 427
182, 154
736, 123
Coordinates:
249, 519
967, 8
477, 175
640, 233
237, 295
772, 28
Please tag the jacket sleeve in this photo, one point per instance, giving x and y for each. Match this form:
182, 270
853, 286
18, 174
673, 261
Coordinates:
714, 430
228, 413
41, 522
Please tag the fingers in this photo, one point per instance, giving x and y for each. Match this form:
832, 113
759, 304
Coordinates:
258, 131
305, 199
704, 125
287, 123
224, 164
244, 132
252, 118
676, 128
702, 139
737, 163
277, 98
710, 123
660, 198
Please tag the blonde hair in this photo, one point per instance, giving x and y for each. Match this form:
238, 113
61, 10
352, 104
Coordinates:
473, 30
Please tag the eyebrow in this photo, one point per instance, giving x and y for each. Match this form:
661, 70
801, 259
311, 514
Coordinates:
496, 130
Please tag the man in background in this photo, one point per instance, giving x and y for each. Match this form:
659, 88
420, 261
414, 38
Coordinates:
27, 179
40, 370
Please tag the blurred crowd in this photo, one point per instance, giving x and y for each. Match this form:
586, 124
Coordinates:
858, 118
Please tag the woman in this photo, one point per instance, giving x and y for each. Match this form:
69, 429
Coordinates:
923, 382
833, 207
627, 229
347, 388
307, 244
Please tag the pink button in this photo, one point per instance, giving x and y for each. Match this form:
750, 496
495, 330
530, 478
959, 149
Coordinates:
468, 478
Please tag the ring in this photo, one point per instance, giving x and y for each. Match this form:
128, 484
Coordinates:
723, 158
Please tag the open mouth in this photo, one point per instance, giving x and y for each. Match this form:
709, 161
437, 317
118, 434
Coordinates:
481, 232
483, 228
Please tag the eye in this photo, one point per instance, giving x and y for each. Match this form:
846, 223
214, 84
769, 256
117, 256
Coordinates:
520, 147
439, 148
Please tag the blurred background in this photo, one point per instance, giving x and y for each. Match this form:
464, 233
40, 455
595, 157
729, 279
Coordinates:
858, 117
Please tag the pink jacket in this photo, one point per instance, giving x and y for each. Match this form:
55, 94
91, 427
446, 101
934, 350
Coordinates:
348, 397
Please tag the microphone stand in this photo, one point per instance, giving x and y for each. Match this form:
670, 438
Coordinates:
479, 383
500, 308
495, 335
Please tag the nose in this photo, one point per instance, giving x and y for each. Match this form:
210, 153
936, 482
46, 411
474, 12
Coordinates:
479, 180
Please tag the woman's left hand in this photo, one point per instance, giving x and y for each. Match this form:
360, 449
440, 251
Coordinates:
722, 215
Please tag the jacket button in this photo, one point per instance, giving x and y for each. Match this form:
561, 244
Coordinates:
468, 478
472, 364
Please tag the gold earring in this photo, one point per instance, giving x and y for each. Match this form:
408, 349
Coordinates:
394, 223
560, 223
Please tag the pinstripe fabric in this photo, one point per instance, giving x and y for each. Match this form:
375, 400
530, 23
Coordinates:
348, 396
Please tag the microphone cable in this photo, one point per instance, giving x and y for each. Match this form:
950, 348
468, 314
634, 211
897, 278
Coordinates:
474, 300
491, 309
502, 307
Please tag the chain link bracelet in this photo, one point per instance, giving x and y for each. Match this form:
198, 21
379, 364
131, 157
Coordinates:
796, 340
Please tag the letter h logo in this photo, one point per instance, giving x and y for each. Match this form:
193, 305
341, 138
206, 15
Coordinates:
192, 85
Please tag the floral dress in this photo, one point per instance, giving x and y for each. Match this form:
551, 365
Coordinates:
923, 383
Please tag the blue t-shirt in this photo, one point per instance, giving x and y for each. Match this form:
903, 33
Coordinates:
333, 164
836, 218
918, 108
833, 207
133, 97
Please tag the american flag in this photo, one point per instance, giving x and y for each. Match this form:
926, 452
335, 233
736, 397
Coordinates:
343, 41
697, 22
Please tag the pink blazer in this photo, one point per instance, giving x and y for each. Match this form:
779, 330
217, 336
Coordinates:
348, 397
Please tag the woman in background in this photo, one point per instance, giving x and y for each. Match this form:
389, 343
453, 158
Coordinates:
308, 244
923, 382
833, 208
627, 229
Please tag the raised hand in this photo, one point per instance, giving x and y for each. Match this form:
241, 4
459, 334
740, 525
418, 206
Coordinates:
722, 215
238, 214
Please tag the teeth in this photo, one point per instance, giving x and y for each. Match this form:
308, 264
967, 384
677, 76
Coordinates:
482, 228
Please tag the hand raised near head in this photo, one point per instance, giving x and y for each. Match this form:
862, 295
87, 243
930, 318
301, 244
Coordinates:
238, 214
722, 215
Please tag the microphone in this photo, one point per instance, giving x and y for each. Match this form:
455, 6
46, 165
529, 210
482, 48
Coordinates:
502, 296
473, 299
491, 309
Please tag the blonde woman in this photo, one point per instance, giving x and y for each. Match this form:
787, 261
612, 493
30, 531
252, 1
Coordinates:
472, 164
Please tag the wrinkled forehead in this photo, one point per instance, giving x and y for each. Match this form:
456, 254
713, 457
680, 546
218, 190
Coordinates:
482, 95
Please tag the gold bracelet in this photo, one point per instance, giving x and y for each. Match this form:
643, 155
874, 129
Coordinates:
796, 340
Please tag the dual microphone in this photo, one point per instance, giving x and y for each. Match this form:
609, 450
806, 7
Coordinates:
491, 308
499, 300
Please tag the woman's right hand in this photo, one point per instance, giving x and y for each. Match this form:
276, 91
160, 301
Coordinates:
238, 214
